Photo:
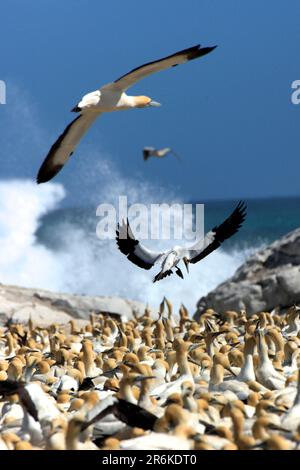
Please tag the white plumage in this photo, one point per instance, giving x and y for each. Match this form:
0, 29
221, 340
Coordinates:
108, 98
146, 259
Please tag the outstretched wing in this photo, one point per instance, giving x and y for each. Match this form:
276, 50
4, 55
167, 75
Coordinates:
143, 71
132, 248
10, 387
129, 413
218, 234
65, 145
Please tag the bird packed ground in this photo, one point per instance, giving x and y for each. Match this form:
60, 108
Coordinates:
223, 382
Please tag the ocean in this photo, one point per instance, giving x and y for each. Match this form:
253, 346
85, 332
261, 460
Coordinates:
46, 243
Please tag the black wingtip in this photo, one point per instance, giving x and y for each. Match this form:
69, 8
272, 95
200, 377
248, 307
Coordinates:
46, 173
41, 179
242, 208
198, 51
76, 109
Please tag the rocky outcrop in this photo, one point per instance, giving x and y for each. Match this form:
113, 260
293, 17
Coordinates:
45, 307
268, 279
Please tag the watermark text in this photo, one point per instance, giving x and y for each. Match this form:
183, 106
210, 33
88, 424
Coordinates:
2, 92
151, 222
295, 96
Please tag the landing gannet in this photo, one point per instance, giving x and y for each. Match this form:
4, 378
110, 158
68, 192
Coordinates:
146, 259
110, 97
158, 153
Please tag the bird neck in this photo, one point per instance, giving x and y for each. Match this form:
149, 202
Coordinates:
238, 424
216, 374
297, 398
182, 361
129, 101
88, 359
72, 440
259, 429
144, 398
263, 350
126, 392
10, 344
247, 371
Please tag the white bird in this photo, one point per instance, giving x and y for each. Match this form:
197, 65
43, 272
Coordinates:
291, 420
146, 259
110, 97
39, 408
247, 372
163, 391
265, 372
156, 441
158, 153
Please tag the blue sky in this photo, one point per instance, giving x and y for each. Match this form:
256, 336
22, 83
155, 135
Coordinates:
229, 115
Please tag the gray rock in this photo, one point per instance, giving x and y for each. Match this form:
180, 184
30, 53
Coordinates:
45, 307
268, 279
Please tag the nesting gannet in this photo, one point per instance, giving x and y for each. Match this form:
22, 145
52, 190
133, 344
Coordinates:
74, 436
35, 401
265, 372
110, 97
39, 408
146, 259
124, 412
112, 414
163, 391
158, 153
247, 371
293, 322
231, 388
161, 379
291, 420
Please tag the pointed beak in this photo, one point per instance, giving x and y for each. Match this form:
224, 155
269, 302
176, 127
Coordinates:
276, 409
186, 262
141, 378
111, 372
154, 103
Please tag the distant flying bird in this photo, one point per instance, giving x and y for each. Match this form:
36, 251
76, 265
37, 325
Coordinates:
146, 259
161, 153
110, 97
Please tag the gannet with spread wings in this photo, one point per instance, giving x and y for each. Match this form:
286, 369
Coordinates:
158, 153
146, 259
110, 97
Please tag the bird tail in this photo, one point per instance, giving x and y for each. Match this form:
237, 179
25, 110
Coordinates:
179, 272
162, 275
176, 155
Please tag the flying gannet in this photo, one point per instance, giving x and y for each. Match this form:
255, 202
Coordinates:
158, 153
110, 97
146, 259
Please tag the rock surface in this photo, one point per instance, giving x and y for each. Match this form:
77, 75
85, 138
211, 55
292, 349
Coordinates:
268, 279
46, 307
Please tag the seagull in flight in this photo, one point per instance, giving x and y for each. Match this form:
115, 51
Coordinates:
161, 153
110, 97
146, 259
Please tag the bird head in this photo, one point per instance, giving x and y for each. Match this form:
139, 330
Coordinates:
145, 101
